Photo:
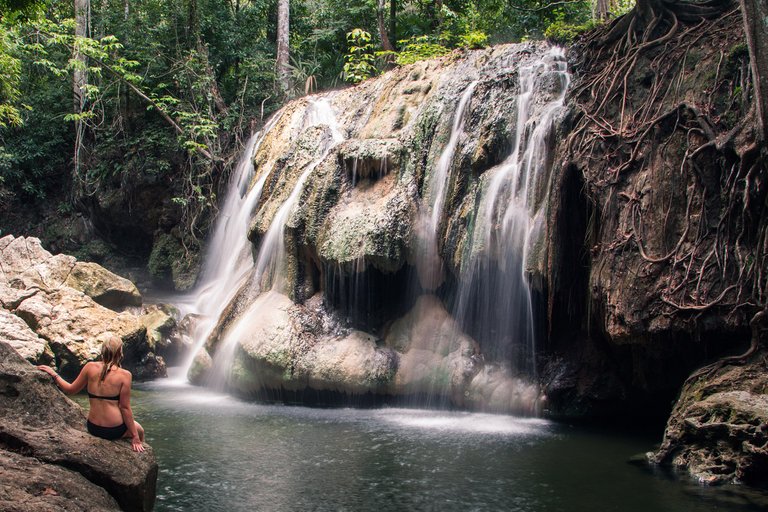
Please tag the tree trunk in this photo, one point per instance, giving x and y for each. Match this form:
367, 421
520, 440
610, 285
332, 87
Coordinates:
283, 31
79, 81
385, 44
82, 18
755, 15
393, 19
602, 10
438, 21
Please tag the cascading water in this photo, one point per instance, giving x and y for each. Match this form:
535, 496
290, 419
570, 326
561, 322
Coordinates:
429, 264
448, 344
271, 257
229, 258
493, 301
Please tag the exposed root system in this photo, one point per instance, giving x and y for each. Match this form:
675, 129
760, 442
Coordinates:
637, 110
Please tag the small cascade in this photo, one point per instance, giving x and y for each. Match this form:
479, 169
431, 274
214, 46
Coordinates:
493, 302
228, 258
429, 266
271, 257
272, 250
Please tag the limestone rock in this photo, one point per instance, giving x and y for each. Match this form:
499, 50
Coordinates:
30, 485
53, 296
164, 336
18, 335
281, 347
106, 288
435, 356
718, 430
40, 424
74, 326
201, 367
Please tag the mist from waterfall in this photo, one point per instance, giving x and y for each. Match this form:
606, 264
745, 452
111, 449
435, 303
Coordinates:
493, 301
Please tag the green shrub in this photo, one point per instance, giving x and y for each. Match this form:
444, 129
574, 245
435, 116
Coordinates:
473, 40
359, 64
561, 32
419, 48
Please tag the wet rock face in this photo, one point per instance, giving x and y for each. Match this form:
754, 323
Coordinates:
285, 350
54, 309
350, 243
658, 287
718, 430
49, 461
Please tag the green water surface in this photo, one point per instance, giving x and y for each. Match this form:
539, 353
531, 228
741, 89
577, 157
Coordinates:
217, 453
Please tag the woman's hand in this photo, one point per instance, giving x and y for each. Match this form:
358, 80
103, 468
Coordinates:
136, 444
47, 369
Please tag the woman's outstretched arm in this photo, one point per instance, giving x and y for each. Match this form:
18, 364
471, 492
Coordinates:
76, 386
127, 413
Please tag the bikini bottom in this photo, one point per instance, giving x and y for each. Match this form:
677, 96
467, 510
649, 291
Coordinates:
110, 433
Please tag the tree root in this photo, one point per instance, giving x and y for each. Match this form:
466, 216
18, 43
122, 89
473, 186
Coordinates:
757, 343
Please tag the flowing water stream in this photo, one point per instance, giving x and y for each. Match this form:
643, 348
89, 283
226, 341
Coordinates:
494, 298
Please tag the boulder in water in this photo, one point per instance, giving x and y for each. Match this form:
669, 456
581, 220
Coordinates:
718, 430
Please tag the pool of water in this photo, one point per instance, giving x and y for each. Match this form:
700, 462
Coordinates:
217, 453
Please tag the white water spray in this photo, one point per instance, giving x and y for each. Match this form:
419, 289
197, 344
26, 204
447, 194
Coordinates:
429, 265
228, 258
494, 300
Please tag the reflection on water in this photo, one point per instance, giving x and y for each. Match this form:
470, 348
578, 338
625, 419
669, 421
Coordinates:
217, 453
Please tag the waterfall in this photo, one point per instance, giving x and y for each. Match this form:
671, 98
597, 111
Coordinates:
468, 339
271, 256
228, 257
494, 302
429, 264
271, 252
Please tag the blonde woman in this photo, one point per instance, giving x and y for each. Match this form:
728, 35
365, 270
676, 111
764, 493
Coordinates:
109, 393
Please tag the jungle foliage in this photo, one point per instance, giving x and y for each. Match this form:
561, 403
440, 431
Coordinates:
174, 86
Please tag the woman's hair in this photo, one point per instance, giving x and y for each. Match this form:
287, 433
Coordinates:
111, 354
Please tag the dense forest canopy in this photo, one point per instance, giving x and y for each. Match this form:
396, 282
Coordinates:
209, 65
99, 95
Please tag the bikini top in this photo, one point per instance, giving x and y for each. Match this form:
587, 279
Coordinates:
91, 395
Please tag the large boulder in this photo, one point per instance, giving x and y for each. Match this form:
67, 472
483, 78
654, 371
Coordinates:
284, 346
718, 430
278, 348
106, 288
165, 336
30, 485
40, 428
54, 309
15, 332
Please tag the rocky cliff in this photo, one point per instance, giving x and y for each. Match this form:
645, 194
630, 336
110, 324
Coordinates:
47, 459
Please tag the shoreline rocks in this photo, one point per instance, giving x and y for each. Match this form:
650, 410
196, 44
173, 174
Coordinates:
47, 459
55, 310
718, 430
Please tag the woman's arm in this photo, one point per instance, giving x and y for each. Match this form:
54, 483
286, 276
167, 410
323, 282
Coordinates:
77, 385
127, 413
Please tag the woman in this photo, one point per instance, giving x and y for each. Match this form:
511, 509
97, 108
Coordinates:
109, 393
